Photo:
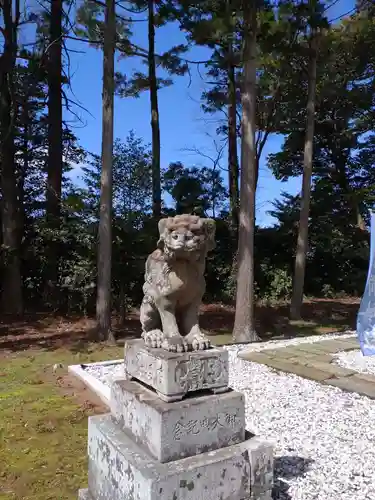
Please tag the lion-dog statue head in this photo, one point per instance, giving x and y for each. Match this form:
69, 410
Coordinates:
183, 235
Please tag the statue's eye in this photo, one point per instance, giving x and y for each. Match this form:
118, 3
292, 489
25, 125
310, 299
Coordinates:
175, 236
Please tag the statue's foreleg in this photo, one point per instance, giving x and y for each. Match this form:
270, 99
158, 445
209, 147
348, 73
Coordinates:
194, 336
172, 339
151, 323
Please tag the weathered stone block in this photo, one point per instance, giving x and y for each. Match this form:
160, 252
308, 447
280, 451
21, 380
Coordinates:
299, 369
261, 468
336, 345
279, 353
255, 357
171, 431
313, 348
333, 368
354, 384
173, 375
266, 495
367, 377
119, 469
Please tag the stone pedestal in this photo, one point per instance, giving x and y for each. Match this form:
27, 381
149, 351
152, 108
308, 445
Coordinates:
193, 448
174, 375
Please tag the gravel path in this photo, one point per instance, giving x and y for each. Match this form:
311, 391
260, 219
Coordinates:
324, 437
356, 361
274, 344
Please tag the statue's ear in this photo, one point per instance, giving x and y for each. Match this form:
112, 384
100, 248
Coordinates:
162, 226
210, 229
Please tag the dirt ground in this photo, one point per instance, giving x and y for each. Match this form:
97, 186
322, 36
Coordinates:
319, 316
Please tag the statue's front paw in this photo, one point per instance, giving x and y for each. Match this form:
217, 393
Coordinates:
175, 344
153, 338
198, 341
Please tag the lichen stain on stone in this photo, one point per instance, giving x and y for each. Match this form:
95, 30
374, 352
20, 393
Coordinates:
185, 484
104, 448
118, 465
245, 481
205, 448
114, 482
129, 473
238, 464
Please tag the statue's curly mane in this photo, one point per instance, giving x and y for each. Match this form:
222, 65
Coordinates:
192, 222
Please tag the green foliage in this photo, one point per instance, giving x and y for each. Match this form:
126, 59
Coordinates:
90, 25
170, 63
195, 190
278, 283
343, 170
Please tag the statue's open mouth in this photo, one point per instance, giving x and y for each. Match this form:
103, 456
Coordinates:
185, 249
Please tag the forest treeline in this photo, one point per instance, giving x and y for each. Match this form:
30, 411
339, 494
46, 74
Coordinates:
276, 67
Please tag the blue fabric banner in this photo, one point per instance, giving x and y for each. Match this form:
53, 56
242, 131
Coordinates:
366, 313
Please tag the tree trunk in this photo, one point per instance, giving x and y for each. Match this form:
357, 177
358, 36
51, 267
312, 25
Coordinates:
156, 182
361, 224
244, 323
24, 111
303, 228
55, 149
12, 279
232, 147
103, 301
354, 207
122, 308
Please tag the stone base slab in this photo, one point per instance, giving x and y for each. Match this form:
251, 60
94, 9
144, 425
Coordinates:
119, 469
84, 494
100, 389
267, 495
173, 375
171, 431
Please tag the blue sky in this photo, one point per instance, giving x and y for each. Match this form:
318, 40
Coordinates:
183, 124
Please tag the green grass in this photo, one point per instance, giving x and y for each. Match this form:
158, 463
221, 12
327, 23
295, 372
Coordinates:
43, 432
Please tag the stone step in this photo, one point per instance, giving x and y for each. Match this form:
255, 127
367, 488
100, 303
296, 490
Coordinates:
171, 431
120, 469
173, 375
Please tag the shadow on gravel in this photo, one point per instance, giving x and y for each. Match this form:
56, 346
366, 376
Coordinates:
285, 469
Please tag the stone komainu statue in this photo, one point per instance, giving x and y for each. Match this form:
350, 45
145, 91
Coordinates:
175, 284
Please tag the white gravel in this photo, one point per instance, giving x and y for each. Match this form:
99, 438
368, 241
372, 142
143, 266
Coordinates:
324, 437
355, 360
